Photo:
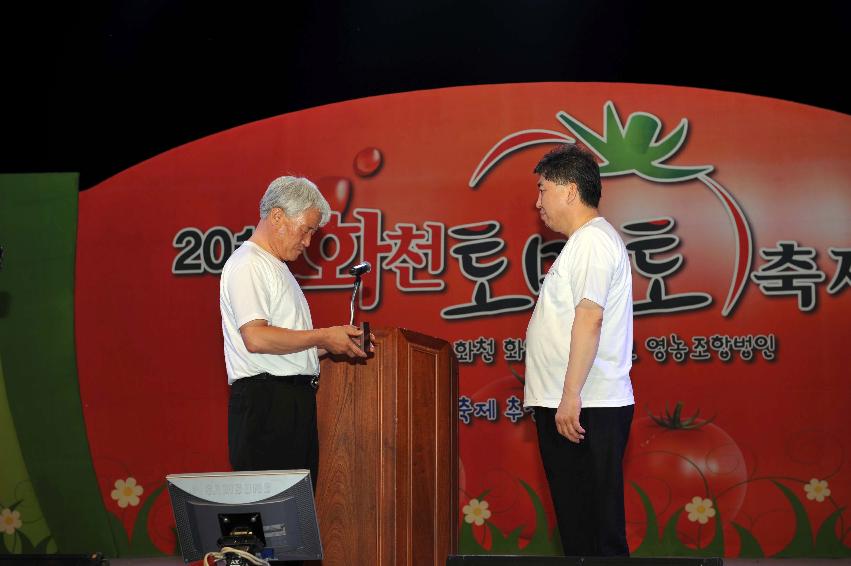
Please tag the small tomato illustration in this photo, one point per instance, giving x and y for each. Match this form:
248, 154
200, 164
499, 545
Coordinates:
674, 460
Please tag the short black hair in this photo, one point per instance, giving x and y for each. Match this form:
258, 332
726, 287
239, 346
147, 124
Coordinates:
569, 163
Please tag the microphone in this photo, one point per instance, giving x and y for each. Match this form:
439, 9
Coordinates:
357, 271
360, 269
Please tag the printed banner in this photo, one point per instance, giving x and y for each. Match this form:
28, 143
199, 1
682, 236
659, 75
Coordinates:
735, 212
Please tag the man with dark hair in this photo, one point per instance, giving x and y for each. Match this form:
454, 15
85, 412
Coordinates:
578, 358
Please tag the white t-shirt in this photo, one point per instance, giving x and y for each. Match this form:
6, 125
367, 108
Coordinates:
593, 265
257, 285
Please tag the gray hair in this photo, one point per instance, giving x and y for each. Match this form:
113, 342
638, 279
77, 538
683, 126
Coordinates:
294, 195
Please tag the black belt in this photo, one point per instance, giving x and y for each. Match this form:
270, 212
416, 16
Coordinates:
311, 380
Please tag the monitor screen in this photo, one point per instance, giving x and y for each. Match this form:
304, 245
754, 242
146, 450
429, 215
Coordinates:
205, 504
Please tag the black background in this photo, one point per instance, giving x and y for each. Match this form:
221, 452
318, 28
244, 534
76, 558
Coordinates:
96, 87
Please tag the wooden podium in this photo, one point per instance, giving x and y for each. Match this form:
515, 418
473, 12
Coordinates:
388, 459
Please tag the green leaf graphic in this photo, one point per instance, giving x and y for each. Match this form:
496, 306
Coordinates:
119, 535
651, 545
41, 548
671, 543
635, 148
27, 546
801, 544
716, 545
140, 543
749, 547
673, 546
541, 543
828, 544
467, 543
504, 544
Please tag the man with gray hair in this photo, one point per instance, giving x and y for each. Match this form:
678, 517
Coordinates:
271, 349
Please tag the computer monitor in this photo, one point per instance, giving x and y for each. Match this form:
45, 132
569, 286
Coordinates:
208, 506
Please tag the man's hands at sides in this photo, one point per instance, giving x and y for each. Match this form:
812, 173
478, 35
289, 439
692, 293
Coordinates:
584, 341
567, 418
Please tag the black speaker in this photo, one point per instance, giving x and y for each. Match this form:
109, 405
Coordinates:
95, 559
470, 560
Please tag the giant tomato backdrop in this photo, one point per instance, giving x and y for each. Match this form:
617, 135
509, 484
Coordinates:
735, 211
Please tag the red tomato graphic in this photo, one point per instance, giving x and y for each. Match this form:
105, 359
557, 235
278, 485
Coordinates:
674, 460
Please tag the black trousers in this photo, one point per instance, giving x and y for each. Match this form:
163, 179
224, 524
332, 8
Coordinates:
586, 479
272, 425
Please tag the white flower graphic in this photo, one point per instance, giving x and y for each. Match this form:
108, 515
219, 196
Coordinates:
476, 512
126, 492
10, 521
817, 489
700, 510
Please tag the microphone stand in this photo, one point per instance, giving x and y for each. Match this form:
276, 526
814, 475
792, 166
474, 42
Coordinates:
364, 342
354, 294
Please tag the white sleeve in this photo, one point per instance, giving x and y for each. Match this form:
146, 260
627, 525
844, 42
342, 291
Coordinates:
250, 296
592, 267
